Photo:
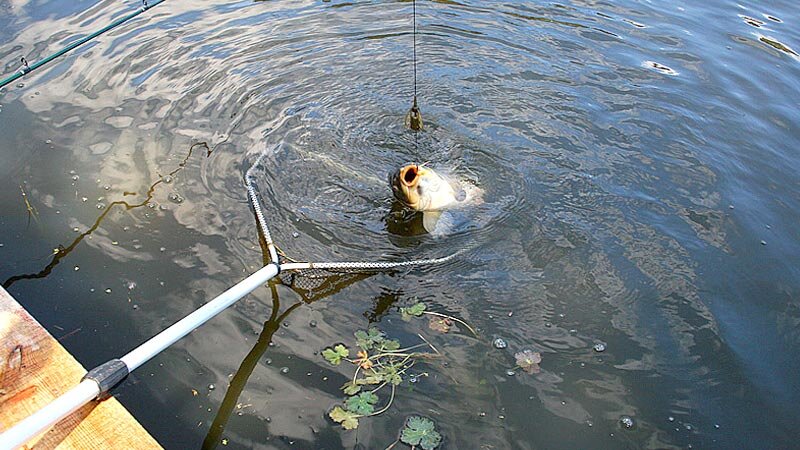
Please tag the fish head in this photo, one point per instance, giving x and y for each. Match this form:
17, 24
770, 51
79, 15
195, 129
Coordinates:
405, 184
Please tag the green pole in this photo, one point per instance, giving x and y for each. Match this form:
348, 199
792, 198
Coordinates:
30, 68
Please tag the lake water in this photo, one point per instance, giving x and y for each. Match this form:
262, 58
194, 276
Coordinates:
639, 165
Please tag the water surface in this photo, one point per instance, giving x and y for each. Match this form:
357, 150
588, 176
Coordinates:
640, 170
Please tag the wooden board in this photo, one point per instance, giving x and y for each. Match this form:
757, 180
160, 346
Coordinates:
35, 369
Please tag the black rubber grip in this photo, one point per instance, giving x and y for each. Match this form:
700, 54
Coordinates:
108, 375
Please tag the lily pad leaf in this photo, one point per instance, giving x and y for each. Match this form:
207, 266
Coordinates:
528, 360
440, 324
420, 431
335, 355
362, 404
368, 339
347, 419
351, 388
415, 310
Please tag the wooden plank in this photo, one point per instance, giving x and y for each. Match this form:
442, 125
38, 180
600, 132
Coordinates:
35, 369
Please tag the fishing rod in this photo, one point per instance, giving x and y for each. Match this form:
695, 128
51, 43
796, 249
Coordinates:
28, 68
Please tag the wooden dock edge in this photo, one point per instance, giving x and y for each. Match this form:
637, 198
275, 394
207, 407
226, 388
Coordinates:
35, 369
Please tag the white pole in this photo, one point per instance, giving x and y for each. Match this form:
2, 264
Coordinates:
159, 342
89, 389
43, 419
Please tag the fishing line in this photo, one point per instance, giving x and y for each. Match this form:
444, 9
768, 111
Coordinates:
414, 116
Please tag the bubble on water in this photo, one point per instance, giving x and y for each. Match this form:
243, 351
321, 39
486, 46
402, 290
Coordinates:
163, 208
510, 373
413, 379
48, 142
135, 306
76, 177
100, 206
500, 343
131, 285
548, 324
168, 179
626, 421
211, 387
76, 268
284, 370
295, 234
20, 85
108, 290
268, 361
175, 198
2, 245
151, 205
716, 425
162, 249
688, 427
599, 347
313, 324
76, 229
671, 419
84, 199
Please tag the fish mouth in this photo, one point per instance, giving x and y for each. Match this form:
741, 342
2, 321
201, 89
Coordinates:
409, 175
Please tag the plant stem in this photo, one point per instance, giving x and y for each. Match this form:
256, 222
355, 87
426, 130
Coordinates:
391, 399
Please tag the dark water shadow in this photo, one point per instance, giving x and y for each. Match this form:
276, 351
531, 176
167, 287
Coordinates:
62, 251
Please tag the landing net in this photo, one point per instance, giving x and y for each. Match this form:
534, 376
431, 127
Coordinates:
319, 279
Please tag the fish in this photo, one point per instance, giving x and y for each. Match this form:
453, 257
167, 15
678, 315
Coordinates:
422, 189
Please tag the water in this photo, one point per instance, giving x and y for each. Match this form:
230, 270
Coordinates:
634, 156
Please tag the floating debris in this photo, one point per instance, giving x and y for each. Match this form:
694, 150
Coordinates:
284, 370
599, 347
778, 46
175, 198
313, 324
108, 290
500, 343
763, 242
751, 21
626, 421
660, 68
76, 268
211, 387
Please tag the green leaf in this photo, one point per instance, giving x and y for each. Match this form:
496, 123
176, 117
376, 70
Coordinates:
348, 419
369, 339
414, 310
421, 431
351, 388
390, 345
362, 404
373, 378
335, 355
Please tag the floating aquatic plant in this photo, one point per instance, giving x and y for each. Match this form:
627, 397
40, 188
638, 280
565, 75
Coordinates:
528, 360
420, 431
380, 362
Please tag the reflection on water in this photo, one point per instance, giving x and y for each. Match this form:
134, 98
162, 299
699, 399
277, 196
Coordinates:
654, 214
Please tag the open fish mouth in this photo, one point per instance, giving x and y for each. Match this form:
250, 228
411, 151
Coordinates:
409, 175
